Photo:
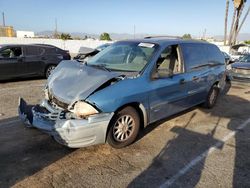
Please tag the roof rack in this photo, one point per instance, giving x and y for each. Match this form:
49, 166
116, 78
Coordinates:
163, 36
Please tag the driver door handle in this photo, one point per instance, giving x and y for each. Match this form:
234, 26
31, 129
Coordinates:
195, 78
182, 81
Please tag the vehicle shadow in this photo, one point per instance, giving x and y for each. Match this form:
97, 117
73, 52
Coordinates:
188, 144
25, 151
241, 170
154, 125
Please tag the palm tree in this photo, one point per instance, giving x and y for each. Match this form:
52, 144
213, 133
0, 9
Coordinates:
232, 26
226, 17
243, 21
235, 28
236, 25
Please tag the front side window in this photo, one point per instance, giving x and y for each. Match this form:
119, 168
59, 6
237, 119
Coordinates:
169, 62
127, 57
12, 52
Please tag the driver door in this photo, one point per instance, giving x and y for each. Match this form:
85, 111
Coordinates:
168, 89
11, 62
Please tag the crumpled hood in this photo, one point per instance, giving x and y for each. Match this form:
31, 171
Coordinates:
72, 81
241, 65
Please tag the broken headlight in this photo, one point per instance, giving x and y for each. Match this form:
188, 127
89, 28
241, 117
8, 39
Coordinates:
46, 92
83, 109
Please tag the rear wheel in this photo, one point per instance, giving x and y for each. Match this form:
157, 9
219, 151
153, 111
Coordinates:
124, 128
49, 70
212, 97
227, 87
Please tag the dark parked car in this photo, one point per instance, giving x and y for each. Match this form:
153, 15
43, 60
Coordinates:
85, 53
18, 61
124, 88
241, 69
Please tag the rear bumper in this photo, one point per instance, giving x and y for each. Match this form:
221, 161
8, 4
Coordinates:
73, 133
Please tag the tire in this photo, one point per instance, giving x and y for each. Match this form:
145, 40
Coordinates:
226, 88
123, 128
212, 97
49, 70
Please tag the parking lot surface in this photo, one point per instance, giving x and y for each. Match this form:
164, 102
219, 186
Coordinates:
199, 147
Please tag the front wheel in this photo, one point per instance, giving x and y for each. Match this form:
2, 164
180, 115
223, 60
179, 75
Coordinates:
124, 128
212, 97
49, 70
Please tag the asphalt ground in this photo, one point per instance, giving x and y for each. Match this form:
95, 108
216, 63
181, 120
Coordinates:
196, 148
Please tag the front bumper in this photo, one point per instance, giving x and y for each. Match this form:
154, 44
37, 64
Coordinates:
240, 77
74, 133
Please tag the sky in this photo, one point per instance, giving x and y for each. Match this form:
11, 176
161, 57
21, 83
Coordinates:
171, 17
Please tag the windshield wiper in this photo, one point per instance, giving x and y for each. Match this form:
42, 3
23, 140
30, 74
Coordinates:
102, 66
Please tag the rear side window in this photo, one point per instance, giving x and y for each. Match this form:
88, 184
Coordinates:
199, 55
214, 55
34, 51
50, 51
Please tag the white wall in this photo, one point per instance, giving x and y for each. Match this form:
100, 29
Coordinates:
25, 34
71, 45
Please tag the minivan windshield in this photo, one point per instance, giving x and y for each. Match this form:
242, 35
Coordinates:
127, 56
245, 58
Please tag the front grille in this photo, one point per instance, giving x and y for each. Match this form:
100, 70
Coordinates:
42, 112
59, 103
241, 71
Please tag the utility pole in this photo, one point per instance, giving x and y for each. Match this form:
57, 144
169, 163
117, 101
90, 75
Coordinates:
55, 33
204, 34
134, 31
3, 19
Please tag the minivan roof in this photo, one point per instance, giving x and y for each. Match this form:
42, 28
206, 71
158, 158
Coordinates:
165, 41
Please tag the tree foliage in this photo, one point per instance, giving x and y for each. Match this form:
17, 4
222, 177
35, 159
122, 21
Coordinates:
65, 36
105, 36
247, 41
187, 36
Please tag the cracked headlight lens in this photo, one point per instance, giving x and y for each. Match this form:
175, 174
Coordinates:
83, 109
46, 92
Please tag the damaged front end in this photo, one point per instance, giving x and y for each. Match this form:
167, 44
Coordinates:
64, 126
65, 113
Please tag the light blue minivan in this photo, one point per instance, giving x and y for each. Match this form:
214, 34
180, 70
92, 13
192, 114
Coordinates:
124, 88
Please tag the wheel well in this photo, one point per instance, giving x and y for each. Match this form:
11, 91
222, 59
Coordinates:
136, 106
217, 86
47, 66
228, 78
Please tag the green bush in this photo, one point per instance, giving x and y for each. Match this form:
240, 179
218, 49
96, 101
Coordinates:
105, 36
